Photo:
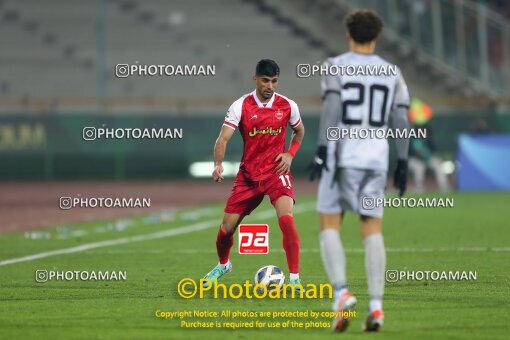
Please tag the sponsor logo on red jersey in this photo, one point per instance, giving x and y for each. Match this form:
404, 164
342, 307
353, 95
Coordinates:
267, 131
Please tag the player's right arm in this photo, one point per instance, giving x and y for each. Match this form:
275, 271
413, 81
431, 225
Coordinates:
330, 117
232, 120
400, 121
220, 147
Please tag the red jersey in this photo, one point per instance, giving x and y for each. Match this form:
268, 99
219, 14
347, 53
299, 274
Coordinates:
263, 128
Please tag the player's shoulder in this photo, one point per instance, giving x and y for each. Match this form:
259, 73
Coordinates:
380, 60
287, 99
357, 58
240, 100
237, 105
339, 59
343, 59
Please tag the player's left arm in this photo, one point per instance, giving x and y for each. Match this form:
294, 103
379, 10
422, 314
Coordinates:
297, 126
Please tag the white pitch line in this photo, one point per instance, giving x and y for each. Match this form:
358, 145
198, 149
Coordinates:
304, 250
316, 250
138, 238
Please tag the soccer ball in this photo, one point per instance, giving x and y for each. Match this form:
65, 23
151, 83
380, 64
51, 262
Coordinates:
270, 276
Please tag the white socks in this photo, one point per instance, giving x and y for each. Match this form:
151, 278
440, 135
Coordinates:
375, 264
226, 265
293, 276
375, 305
333, 258
337, 293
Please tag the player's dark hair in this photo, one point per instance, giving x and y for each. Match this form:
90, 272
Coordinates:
267, 67
364, 25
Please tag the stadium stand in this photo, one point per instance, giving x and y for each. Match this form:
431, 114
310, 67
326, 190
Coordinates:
67, 50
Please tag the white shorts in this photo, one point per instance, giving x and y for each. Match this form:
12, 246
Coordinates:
354, 189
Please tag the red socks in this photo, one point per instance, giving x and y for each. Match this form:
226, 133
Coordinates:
224, 242
290, 242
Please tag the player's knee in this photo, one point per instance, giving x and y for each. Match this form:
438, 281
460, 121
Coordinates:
370, 225
225, 227
283, 213
229, 228
323, 226
370, 219
330, 221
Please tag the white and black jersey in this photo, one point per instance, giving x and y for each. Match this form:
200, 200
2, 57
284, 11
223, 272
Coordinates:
363, 96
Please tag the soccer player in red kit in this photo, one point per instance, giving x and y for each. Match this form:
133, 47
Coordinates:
261, 117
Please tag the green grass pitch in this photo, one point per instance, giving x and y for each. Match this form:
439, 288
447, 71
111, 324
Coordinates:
473, 236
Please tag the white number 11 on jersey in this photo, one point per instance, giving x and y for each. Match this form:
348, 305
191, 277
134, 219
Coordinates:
285, 181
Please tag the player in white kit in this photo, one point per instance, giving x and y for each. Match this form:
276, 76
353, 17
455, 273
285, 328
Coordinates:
353, 170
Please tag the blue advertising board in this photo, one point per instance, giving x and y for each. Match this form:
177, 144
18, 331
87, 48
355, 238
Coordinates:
483, 162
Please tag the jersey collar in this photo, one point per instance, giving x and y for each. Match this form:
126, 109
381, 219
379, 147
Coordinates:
267, 105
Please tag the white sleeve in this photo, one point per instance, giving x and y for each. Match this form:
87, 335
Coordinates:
332, 104
401, 93
329, 83
233, 116
295, 118
399, 112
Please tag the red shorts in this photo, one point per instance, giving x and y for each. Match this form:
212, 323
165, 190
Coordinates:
246, 194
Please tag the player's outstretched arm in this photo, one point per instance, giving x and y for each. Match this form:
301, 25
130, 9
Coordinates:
330, 117
400, 121
220, 147
285, 158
